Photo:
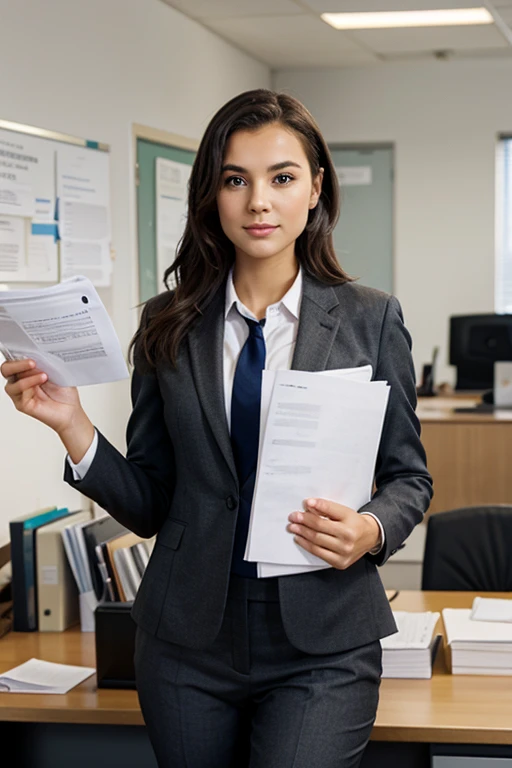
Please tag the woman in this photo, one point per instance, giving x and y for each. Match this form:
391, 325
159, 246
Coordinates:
232, 669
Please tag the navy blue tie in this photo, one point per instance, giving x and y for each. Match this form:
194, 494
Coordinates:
245, 433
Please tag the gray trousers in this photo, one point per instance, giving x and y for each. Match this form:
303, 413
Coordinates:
252, 699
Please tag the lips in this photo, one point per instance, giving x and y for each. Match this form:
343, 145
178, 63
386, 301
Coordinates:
260, 230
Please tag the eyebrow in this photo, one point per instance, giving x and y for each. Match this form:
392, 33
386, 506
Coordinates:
276, 167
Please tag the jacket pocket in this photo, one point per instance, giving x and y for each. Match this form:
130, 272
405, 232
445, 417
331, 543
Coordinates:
171, 534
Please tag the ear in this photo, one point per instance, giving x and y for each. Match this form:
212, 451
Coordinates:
316, 188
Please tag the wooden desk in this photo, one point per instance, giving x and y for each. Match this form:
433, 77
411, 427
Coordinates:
463, 709
412, 714
468, 455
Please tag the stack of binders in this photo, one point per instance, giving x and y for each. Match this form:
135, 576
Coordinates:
23, 532
64, 563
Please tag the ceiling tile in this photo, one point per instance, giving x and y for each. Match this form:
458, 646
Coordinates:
216, 9
430, 39
363, 6
291, 41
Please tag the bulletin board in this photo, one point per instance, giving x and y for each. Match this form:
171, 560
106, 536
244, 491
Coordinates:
164, 163
55, 213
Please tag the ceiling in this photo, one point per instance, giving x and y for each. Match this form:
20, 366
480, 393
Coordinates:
289, 34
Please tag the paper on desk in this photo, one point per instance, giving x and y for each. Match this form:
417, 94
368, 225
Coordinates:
66, 329
327, 430
461, 628
36, 676
361, 373
491, 609
415, 630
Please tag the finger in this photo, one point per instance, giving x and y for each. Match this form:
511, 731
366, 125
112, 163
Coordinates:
322, 540
316, 522
328, 508
14, 367
29, 372
15, 389
325, 554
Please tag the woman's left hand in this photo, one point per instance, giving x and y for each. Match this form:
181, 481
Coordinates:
337, 534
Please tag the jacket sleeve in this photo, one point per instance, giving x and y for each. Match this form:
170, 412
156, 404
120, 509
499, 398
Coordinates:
136, 490
403, 483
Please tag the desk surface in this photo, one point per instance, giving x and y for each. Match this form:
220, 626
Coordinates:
442, 409
447, 708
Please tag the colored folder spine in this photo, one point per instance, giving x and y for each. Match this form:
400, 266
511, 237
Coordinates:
24, 569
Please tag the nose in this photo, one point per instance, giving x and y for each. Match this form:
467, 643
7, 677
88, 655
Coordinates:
259, 201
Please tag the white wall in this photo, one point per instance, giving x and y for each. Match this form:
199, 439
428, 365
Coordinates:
91, 69
443, 118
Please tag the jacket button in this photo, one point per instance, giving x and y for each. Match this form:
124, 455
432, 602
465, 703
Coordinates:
231, 502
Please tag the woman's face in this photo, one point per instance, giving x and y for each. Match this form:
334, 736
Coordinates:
266, 180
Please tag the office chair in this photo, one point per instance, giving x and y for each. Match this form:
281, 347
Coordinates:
469, 549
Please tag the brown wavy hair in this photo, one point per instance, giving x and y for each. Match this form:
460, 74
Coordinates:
205, 255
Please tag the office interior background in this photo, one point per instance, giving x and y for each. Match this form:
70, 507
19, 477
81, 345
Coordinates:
439, 97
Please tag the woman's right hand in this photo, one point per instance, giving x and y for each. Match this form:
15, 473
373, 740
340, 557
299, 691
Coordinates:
32, 393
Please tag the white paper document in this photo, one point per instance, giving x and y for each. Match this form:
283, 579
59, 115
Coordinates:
27, 176
461, 628
491, 609
319, 439
90, 259
171, 208
410, 652
84, 214
65, 329
42, 253
415, 630
12, 248
37, 676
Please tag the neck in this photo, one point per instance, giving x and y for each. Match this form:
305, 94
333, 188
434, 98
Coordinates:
262, 282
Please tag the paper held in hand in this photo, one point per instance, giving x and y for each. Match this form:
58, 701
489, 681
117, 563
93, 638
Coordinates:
319, 437
66, 329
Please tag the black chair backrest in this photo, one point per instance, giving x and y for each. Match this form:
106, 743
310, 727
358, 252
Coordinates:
469, 549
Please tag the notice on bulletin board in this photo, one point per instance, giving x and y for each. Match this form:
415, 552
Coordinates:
171, 210
28, 235
84, 214
27, 177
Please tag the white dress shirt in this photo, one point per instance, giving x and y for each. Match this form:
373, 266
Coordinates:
280, 334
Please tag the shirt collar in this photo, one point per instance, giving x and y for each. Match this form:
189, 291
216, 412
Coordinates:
291, 300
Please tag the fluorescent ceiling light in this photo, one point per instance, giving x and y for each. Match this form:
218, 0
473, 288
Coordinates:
440, 18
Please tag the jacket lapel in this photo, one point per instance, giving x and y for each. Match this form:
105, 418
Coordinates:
317, 328
206, 346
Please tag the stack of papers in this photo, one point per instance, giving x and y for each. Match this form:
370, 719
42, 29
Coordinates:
411, 651
478, 647
319, 437
36, 676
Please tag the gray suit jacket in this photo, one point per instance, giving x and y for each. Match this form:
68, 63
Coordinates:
179, 478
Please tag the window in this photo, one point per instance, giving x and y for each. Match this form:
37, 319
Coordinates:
503, 247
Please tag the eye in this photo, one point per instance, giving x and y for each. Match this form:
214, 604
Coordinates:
283, 179
234, 181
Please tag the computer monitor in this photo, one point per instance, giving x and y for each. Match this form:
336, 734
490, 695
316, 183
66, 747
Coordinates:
476, 343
